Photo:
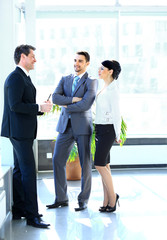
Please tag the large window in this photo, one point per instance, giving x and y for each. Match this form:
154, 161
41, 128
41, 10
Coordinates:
58, 40
135, 38
142, 43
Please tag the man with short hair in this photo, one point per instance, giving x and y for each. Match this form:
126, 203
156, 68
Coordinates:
19, 124
76, 94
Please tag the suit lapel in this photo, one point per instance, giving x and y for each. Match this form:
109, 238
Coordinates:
27, 79
32, 85
69, 82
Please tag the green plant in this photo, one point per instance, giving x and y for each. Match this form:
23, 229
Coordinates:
73, 153
123, 132
93, 143
55, 107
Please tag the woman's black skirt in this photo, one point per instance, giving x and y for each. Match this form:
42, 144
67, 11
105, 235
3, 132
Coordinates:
105, 137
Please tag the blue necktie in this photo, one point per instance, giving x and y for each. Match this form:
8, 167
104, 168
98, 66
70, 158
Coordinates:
76, 79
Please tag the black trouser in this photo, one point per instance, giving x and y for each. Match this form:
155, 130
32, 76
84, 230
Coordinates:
24, 178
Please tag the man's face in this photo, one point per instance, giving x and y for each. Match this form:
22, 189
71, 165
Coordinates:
29, 61
80, 64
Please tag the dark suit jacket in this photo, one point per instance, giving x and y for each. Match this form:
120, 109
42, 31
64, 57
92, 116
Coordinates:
80, 112
20, 108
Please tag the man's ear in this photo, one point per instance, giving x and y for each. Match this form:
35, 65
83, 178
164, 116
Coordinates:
88, 63
23, 56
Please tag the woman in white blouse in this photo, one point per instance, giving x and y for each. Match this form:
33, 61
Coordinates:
108, 128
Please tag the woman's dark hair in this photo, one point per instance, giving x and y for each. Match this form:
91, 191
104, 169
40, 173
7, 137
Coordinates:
114, 65
86, 54
22, 49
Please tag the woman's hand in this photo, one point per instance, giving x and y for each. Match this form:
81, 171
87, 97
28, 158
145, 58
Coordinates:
118, 141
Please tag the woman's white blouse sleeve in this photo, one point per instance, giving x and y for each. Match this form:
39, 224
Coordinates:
116, 115
108, 108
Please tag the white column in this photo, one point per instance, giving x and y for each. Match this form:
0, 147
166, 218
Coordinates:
30, 20
30, 32
7, 46
30, 27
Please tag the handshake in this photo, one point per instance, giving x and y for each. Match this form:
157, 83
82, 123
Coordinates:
46, 106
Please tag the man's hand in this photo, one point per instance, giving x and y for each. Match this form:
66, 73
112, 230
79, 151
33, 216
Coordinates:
76, 99
46, 106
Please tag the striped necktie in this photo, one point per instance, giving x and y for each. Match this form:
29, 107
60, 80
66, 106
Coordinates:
76, 79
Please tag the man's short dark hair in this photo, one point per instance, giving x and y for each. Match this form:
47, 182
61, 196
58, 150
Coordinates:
22, 49
86, 54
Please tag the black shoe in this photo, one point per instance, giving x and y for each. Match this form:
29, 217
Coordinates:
113, 209
82, 206
18, 216
58, 204
103, 208
37, 222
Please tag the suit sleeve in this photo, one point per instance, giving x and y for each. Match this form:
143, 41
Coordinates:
16, 87
58, 96
87, 100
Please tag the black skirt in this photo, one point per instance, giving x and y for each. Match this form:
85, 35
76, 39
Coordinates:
105, 137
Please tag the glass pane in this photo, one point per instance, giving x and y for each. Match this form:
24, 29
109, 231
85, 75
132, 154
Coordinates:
58, 40
142, 48
74, 2
143, 54
143, 2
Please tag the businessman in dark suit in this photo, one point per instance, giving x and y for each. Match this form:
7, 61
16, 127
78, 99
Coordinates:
76, 93
19, 124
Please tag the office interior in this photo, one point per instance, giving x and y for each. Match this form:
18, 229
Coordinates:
134, 33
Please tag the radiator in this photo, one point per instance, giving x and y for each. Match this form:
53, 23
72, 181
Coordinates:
2, 207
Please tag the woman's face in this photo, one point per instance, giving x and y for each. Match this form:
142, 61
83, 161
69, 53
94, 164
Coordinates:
103, 72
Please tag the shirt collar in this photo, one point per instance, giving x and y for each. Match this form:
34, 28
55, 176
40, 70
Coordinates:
80, 76
24, 70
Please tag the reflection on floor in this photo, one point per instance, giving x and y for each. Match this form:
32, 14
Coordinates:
141, 216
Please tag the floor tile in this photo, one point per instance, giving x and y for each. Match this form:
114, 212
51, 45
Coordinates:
141, 216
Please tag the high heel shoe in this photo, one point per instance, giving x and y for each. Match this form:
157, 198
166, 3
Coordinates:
112, 209
103, 208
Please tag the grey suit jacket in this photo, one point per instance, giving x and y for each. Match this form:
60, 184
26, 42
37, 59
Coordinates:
80, 112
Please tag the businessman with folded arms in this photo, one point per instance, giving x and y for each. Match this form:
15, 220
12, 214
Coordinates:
76, 94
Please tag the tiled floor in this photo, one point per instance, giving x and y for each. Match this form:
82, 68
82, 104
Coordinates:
141, 216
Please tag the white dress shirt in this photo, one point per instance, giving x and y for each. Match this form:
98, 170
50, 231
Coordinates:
24, 70
108, 109
80, 76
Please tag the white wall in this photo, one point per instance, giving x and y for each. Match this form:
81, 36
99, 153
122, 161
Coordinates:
7, 46
138, 155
